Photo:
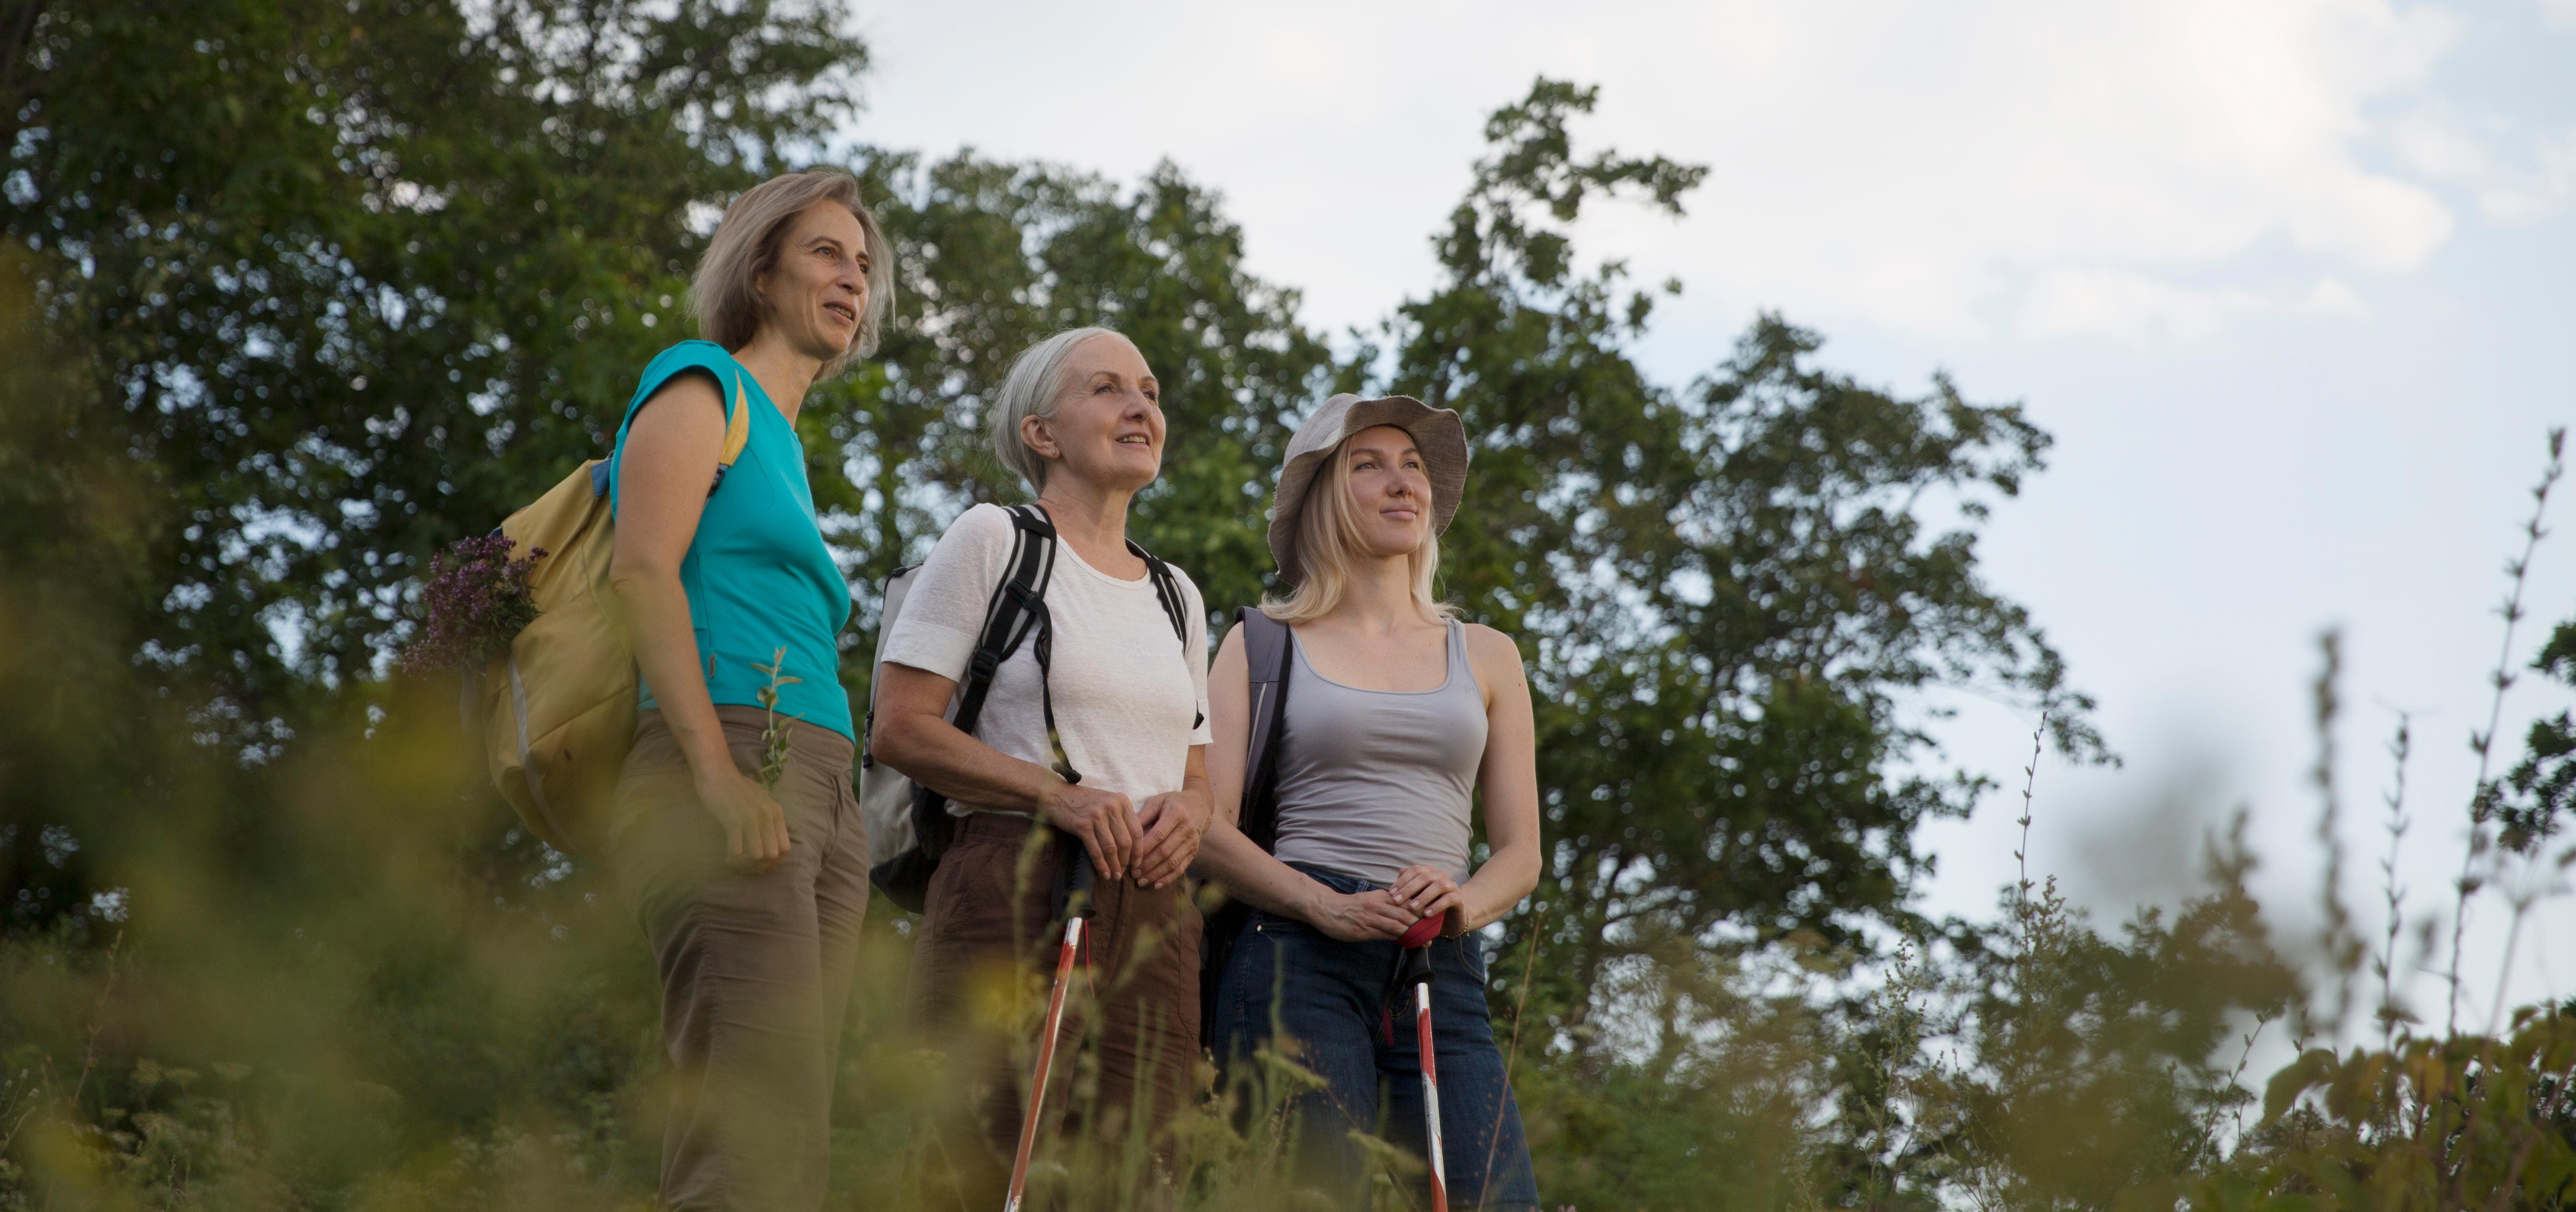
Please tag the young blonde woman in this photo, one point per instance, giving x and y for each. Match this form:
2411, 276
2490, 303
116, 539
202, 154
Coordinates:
750, 892
1391, 719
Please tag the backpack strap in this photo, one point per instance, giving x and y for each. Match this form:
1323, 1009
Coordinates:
1016, 610
1266, 653
737, 433
1167, 591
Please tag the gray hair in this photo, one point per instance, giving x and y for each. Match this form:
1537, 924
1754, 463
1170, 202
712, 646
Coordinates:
725, 293
1031, 389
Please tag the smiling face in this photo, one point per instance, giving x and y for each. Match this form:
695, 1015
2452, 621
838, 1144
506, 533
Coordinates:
818, 287
1390, 491
1107, 427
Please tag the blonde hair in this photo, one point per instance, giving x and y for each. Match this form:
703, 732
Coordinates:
725, 293
1033, 388
1328, 544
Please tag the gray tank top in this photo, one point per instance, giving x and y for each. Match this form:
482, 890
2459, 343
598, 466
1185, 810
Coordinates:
1374, 781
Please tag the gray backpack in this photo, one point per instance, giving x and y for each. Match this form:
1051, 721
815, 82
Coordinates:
1266, 653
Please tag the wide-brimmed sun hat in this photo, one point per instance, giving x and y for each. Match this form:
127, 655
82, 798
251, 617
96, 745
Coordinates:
1436, 432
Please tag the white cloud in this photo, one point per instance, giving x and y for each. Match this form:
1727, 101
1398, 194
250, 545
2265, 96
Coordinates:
2129, 306
2559, 12
2138, 309
1931, 168
2434, 148
2507, 190
1929, 159
2540, 190
2332, 297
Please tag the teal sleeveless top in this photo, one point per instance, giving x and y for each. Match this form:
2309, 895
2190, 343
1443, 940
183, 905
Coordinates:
758, 575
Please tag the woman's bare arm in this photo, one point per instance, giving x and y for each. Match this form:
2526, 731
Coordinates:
1508, 781
913, 735
667, 461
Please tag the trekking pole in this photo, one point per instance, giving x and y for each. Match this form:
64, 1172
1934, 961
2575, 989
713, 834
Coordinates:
1415, 970
1078, 910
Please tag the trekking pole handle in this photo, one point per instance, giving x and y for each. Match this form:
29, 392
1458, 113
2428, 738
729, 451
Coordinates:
1413, 967
1086, 884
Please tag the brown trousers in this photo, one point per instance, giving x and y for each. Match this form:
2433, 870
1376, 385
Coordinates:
1129, 1052
755, 969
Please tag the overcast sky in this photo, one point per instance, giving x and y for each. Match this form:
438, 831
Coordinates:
2293, 282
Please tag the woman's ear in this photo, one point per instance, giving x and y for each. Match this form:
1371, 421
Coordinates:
1035, 434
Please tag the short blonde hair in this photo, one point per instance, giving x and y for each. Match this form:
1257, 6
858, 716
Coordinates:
725, 293
1328, 544
1031, 389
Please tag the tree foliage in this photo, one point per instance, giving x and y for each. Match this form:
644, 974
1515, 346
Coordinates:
357, 278
1727, 592
299, 292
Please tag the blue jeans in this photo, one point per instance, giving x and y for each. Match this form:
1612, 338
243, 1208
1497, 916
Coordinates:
1331, 999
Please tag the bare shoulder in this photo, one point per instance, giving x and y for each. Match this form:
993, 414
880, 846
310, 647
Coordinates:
1229, 667
1496, 657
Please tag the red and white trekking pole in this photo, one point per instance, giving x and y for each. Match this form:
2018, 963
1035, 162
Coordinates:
1415, 970
1078, 911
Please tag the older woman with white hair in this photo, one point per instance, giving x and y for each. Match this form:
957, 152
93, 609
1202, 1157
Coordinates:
734, 832
1090, 746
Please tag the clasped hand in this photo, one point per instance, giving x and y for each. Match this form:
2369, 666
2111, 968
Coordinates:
1386, 913
1151, 845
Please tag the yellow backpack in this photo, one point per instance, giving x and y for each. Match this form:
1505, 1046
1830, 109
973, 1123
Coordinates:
559, 708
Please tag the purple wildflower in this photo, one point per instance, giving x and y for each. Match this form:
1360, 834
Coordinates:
476, 601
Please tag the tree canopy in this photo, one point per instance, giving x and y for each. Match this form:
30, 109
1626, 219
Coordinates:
295, 293
391, 279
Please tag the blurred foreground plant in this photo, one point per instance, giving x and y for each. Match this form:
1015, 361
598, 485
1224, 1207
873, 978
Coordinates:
2466, 1122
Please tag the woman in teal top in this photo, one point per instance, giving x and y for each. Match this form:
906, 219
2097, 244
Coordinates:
760, 583
735, 835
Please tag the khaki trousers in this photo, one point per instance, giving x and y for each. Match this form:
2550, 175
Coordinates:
1128, 1056
755, 969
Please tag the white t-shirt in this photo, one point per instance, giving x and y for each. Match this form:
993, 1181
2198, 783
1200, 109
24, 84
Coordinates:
1130, 698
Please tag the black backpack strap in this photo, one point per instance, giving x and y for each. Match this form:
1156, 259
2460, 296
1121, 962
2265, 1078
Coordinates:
1015, 611
1017, 608
1266, 653
1167, 591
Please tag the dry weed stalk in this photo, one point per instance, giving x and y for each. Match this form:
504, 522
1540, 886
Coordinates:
2482, 743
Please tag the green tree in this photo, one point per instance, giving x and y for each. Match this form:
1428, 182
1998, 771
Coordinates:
323, 287
1727, 593
355, 279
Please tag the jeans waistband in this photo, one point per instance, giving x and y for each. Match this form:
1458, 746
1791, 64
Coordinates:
1339, 881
